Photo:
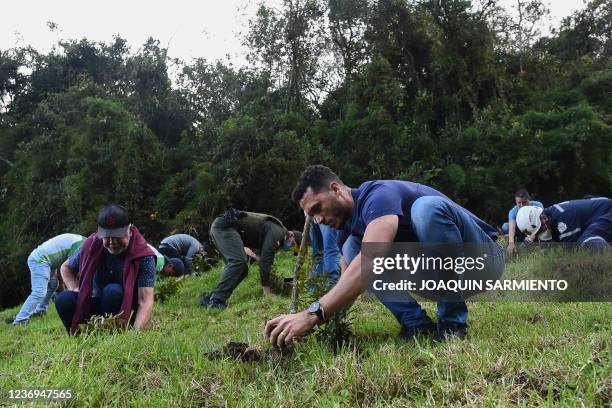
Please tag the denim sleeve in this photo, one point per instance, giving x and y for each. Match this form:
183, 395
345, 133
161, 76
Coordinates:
146, 273
73, 260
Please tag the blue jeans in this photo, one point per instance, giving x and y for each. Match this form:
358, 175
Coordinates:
44, 285
437, 220
109, 303
325, 252
518, 235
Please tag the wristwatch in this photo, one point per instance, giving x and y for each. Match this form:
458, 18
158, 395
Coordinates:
316, 309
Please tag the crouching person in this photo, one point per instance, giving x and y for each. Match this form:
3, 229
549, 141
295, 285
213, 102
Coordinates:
43, 262
112, 273
234, 230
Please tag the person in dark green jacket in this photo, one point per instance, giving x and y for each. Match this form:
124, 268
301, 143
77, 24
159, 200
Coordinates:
231, 233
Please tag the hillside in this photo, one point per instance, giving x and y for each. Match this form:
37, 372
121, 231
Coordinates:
516, 353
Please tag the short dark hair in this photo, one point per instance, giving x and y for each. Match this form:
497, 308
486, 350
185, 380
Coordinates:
316, 177
522, 193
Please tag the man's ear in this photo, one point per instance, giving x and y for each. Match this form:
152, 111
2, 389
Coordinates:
335, 187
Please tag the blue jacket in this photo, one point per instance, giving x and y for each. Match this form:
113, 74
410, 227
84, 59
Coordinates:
581, 220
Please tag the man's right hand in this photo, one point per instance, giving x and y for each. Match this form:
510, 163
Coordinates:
511, 250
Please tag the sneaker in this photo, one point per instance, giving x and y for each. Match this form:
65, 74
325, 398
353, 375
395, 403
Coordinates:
205, 300
216, 304
447, 330
409, 332
39, 314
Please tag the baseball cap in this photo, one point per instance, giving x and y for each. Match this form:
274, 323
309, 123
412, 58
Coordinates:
179, 266
113, 221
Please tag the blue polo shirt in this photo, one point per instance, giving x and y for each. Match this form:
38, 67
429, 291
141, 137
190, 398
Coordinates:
512, 213
374, 199
579, 220
110, 270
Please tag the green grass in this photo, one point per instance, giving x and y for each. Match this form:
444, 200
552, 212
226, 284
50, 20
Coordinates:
516, 354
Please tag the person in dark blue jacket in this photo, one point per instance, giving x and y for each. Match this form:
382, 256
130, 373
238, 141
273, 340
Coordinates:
586, 222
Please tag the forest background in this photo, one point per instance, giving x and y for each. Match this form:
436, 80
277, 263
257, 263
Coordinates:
463, 96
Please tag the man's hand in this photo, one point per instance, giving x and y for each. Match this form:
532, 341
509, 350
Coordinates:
267, 290
282, 330
511, 250
530, 238
145, 308
251, 254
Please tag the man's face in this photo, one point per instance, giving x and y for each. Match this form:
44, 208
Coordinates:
328, 207
521, 201
543, 228
117, 245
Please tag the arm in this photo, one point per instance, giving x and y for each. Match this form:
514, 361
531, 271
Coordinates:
511, 231
343, 265
382, 229
145, 308
69, 276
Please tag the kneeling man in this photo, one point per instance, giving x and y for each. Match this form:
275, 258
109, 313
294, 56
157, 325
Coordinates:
382, 211
112, 273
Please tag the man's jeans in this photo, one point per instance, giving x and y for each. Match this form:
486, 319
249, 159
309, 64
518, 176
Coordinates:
44, 285
518, 235
109, 303
325, 252
436, 220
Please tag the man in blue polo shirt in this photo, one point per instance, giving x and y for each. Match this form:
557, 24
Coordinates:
586, 222
521, 199
383, 211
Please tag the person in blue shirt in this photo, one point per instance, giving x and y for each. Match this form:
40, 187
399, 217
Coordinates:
384, 211
521, 199
585, 222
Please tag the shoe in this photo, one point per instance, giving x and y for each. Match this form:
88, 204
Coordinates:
410, 332
205, 300
216, 304
447, 330
9, 320
38, 314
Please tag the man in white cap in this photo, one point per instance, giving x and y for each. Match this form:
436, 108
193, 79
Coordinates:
586, 222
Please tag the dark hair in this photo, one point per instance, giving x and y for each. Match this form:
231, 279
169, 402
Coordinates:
522, 193
316, 177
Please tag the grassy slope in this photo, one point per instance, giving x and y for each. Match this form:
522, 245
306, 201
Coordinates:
516, 353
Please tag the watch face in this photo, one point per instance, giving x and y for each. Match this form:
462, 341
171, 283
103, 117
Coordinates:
314, 307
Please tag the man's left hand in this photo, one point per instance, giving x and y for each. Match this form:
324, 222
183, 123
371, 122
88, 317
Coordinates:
284, 329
